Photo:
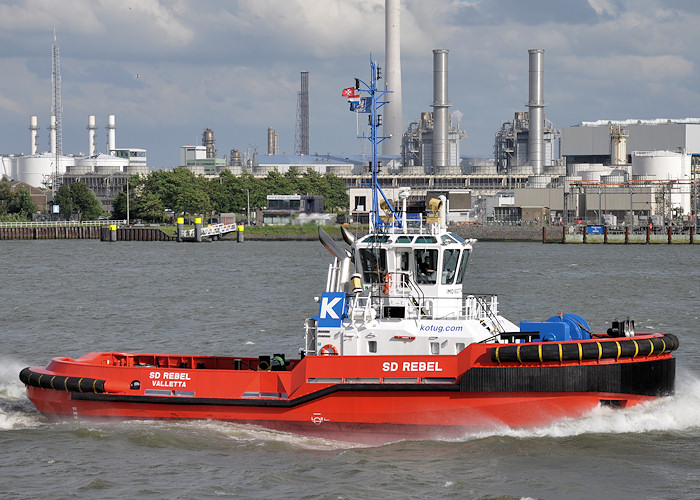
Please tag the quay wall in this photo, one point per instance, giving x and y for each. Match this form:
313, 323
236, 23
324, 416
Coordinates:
50, 233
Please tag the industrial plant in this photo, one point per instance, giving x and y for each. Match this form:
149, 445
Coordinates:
606, 172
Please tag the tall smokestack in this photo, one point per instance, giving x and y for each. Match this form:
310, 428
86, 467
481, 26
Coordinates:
91, 135
111, 134
393, 110
33, 134
535, 142
440, 156
272, 141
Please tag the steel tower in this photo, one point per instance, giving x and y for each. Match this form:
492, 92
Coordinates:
301, 135
56, 111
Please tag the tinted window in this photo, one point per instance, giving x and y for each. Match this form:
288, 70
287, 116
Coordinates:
462, 267
449, 266
426, 262
373, 261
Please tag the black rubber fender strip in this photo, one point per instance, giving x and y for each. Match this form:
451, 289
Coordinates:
556, 351
62, 383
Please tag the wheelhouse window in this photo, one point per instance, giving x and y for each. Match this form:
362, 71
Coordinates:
373, 262
463, 267
426, 262
449, 266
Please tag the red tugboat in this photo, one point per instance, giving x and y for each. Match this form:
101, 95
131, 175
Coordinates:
399, 349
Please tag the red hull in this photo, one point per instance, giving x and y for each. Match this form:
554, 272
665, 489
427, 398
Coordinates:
363, 398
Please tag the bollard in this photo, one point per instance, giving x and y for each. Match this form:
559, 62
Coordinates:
180, 229
240, 229
113, 232
198, 229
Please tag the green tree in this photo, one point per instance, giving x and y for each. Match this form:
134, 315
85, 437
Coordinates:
6, 196
192, 200
149, 208
77, 198
64, 200
23, 204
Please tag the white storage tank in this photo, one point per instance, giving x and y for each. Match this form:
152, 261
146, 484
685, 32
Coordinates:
660, 165
36, 169
590, 171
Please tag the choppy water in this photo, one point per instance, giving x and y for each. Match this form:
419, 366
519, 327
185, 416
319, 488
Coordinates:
72, 297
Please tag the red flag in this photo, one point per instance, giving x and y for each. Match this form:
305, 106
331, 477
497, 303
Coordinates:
349, 92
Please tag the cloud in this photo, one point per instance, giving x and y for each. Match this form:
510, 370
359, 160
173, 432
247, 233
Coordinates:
234, 65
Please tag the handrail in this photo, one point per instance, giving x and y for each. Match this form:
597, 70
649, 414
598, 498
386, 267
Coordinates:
477, 307
65, 223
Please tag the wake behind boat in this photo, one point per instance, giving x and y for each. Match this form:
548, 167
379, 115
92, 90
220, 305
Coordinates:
399, 349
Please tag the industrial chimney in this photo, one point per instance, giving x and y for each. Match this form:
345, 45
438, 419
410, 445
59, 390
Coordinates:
440, 154
393, 110
33, 134
272, 142
535, 141
111, 135
91, 135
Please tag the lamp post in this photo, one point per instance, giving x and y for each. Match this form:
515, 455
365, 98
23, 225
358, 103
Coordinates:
247, 209
127, 201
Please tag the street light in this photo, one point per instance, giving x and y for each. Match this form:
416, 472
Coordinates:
127, 201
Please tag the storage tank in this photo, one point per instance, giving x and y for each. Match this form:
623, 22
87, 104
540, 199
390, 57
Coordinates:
616, 176
660, 165
36, 169
79, 169
590, 171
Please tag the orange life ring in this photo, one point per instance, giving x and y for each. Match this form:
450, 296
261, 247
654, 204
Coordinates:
329, 350
387, 283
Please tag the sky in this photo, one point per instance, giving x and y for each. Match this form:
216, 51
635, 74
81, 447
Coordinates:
170, 69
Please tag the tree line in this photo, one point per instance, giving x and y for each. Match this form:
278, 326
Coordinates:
15, 206
182, 192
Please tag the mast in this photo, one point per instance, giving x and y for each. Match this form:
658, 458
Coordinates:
371, 104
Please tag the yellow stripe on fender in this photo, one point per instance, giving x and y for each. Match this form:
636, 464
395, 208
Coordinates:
539, 350
580, 352
561, 354
619, 350
518, 352
600, 350
652, 347
636, 348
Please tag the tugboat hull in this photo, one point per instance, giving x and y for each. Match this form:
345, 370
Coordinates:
357, 399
